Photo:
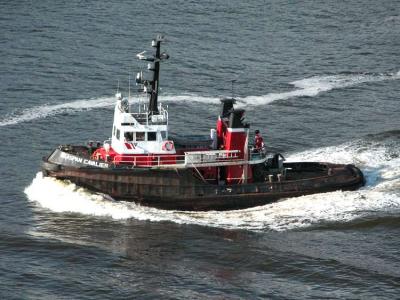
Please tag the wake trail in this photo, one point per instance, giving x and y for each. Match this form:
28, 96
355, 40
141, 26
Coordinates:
309, 87
313, 86
43, 111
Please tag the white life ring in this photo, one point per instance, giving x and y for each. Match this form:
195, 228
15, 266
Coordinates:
168, 146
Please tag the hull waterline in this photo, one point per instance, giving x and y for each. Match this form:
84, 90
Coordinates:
180, 190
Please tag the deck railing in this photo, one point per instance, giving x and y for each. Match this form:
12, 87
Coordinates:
194, 159
190, 159
143, 118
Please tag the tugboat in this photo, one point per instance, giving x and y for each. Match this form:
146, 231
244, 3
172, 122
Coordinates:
141, 162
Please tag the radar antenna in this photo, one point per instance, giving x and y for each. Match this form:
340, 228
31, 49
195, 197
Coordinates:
129, 86
232, 82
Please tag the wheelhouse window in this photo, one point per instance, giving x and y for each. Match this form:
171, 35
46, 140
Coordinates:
140, 136
151, 136
118, 134
128, 136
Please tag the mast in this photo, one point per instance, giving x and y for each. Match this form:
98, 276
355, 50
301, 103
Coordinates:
151, 86
156, 78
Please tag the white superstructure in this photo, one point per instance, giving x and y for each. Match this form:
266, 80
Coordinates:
138, 131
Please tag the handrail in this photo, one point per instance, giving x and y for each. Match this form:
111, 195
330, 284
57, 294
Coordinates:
195, 158
144, 119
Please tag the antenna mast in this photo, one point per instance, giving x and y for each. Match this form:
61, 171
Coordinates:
232, 81
153, 66
129, 86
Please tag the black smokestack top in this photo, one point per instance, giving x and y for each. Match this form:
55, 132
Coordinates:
227, 106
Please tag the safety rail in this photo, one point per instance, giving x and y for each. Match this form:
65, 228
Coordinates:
189, 159
142, 116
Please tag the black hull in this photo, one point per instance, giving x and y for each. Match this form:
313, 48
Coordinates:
180, 190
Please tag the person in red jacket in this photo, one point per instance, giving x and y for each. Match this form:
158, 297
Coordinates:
258, 142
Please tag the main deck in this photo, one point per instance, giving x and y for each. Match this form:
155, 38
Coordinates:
192, 159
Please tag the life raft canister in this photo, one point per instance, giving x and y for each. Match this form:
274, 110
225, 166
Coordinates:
168, 146
98, 156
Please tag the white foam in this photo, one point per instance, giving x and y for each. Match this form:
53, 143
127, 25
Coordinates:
190, 98
393, 19
309, 87
44, 111
374, 158
381, 194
